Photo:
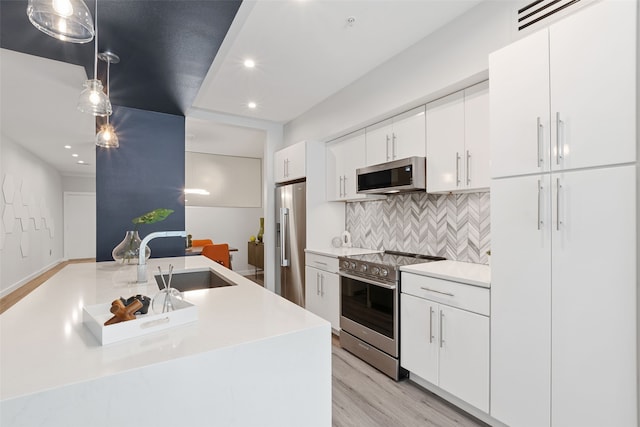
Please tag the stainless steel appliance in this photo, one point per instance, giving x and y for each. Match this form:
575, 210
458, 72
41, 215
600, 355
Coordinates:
369, 307
291, 233
394, 177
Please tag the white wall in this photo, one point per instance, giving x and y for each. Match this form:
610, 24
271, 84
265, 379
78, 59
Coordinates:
225, 225
79, 184
447, 60
37, 245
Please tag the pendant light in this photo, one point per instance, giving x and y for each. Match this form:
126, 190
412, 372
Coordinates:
93, 100
107, 137
66, 20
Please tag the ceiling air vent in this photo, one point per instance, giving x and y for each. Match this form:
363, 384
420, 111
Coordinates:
540, 10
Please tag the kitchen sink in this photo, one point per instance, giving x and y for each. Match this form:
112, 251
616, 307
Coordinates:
192, 280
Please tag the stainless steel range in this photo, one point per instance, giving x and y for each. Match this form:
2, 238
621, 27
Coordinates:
369, 307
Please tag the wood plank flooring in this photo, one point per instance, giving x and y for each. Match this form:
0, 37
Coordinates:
364, 397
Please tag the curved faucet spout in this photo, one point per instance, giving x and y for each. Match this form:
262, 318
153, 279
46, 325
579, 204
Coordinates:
142, 264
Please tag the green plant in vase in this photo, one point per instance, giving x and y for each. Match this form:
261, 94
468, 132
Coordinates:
129, 248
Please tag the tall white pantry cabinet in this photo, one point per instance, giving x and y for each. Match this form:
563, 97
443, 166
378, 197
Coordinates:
564, 222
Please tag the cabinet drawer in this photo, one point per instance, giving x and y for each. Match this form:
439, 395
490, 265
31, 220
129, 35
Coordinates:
322, 262
466, 297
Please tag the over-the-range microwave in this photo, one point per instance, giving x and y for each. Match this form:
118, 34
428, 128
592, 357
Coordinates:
393, 177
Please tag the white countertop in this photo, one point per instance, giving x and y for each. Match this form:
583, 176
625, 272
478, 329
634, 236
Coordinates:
463, 272
336, 252
44, 344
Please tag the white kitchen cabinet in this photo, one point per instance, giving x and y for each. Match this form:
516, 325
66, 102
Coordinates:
290, 163
458, 141
322, 290
396, 138
344, 156
442, 344
557, 105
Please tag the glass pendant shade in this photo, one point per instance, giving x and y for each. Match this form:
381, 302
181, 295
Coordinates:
107, 137
66, 20
93, 100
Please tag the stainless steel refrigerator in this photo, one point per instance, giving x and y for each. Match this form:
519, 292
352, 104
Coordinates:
291, 231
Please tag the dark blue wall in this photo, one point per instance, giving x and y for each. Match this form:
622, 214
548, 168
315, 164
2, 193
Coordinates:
145, 173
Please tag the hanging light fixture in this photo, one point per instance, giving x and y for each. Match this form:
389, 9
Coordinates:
107, 137
66, 20
93, 100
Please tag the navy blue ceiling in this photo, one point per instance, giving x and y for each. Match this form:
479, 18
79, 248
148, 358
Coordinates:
165, 46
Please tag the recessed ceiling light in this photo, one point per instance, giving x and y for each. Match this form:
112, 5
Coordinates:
80, 162
74, 155
252, 105
249, 63
68, 147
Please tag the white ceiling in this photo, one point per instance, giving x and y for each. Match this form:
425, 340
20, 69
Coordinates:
305, 51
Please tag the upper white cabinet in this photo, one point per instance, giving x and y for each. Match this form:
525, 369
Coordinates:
289, 163
564, 98
458, 141
343, 158
396, 138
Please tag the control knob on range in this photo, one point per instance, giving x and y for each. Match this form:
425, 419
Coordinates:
384, 272
375, 271
345, 264
363, 268
352, 265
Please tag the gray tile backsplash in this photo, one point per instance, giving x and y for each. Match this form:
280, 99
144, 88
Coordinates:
455, 226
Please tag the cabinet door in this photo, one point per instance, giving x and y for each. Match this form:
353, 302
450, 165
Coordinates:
464, 356
330, 294
419, 337
476, 136
594, 298
593, 86
334, 168
296, 161
280, 166
313, 299
378, 143
408, 137
445, 143
519, 105
521, 300
353, 157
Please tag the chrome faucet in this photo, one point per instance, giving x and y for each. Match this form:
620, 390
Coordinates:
142, 262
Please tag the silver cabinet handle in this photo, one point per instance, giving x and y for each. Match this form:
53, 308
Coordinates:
340, 186
457, 169
387, 146
539, 204
540, 133
284, 219
393, 146
430, 324
437, 292
344, 186
558, 143
468, 168
321, 263
558, 187
321, 285
441, 328
317, 283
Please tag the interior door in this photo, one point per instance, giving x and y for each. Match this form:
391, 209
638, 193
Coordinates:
79, 225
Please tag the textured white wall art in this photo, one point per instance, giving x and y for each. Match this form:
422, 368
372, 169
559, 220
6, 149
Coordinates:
8, 188
8, 218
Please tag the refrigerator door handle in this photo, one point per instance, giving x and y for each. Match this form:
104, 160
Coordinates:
284, 225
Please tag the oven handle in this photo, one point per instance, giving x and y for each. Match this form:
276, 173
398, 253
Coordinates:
371, 282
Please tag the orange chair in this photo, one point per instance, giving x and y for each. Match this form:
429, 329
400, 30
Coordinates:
201, 242
219, 253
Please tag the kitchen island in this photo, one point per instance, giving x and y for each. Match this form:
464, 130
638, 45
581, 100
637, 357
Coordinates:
252, 358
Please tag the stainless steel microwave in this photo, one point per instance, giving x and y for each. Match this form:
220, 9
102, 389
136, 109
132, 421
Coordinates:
393, 177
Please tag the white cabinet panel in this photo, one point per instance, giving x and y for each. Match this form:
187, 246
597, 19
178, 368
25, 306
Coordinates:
476, 136
419, 341
519, 105
593, 78
593, 298
464, 356
343, 158
397, 138
378, 141
521, 300
322, 295
290, 163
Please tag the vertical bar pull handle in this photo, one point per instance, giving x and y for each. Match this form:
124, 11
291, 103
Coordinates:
558, 187
321, 285
387, 146
393, 146
468, 168
559, 145
457, 169
539, 205
441, 329
344, 185
430, 325
540, 129
340, 186
284, 225
317, 283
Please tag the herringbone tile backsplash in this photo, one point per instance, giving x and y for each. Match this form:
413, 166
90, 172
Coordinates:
455, 226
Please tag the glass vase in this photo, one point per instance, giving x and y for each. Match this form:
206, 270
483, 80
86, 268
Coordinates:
261, 231
128, 250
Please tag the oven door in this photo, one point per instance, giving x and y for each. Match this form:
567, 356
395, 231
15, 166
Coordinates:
369, 311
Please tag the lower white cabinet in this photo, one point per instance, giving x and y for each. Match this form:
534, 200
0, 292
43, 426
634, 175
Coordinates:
322, 295
442, 344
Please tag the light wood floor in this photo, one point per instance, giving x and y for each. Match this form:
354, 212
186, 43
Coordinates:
364, 397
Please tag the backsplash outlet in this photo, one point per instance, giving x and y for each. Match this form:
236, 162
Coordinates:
455, 226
